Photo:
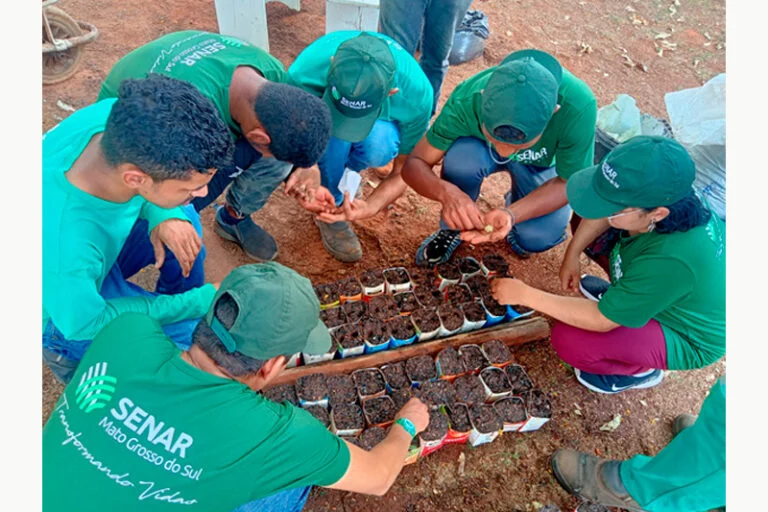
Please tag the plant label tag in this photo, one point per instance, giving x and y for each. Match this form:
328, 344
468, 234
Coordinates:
350, 182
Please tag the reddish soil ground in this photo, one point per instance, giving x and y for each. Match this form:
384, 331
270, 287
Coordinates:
590, 38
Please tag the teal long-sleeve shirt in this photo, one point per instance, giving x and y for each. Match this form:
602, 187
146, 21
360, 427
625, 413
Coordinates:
83, 235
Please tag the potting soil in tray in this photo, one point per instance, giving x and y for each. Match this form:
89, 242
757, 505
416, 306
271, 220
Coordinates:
333, 317
451, 316
493, 306
485, 418
379, 410
406, 302
383, 307
348, 336
401, 396
341, 390
372, 278
355, 310
496, 263
282, 393
353, 440
538, 403
426, 320
420, 368
449, 362
396, 276
468, 266
321, 413
422, 278
437, 427
459, 294
478, 285
312, 387
372, 436
496, 380
518, 379
458, 416
429, 297
436, 393
474, 312
348, 417
472, 358
449, 270
497, 352
349, 287
375, 331
327, 293
369, 381
511, 410
395, 376
402, 328
469, 389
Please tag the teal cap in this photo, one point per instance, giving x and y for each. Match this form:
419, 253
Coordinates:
278, 313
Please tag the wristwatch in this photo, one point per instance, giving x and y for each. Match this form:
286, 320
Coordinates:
407, 425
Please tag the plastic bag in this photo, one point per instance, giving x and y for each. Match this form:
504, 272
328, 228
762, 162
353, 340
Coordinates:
697, 117
469, 38
621, 120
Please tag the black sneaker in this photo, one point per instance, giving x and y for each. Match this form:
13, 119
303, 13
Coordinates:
254, 240
592, 287
438, 247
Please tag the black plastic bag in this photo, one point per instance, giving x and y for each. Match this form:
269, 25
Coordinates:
469, 39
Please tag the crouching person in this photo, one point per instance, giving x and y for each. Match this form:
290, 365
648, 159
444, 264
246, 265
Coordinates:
143, 425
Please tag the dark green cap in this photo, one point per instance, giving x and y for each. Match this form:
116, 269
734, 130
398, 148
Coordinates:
278, 313
643, 172
522, 93
360, 77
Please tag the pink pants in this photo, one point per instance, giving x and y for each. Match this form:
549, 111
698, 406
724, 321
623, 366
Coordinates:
622, 351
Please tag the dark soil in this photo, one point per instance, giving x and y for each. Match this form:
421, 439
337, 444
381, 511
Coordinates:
459, 294
472, 358
333, 317
341, 390
437, 427
406, 302
395, 375
321, 413
521, 310
592, 507
396, 276
429, 297
493, 306
383, 307
355, 310
348, 417
353, 440
402, 328
423, 278
496, 380
538, 403
478, 285
349, 287
420, 369
451, 316
426, 319
283, 393
511, 409
449, 270
401, 396
518, 379
327, 293
435, 393
348, 336
497, 351
469, 389
496, 263
369, 381
370, 437
450, 364
379, 410
468, 266
372, 278
458, 417
375, 331
485, 418
312, 387
474, 312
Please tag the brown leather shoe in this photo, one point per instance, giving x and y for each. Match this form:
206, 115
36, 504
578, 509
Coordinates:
340, 240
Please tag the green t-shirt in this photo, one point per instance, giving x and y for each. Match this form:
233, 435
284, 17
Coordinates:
677, 279
83, 235
204, 59
568, 141
138, 428
409, 108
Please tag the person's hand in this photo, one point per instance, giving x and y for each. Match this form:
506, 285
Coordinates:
349, 211
498, 223
304, 185
570, 273
417, 412
181, 238
460, 212
319, 200
508, 291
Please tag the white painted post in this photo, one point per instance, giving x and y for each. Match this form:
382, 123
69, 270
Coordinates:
351, 15
247, 19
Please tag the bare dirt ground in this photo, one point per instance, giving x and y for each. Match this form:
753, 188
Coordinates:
643, 48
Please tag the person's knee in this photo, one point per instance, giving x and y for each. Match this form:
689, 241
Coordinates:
464, 162
562, 340
538, 240
379, 148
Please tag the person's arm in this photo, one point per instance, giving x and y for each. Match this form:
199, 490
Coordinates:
543, 200
155, 215
586, 233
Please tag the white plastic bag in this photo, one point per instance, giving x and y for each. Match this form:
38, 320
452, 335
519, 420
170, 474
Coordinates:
621, 120
697, 117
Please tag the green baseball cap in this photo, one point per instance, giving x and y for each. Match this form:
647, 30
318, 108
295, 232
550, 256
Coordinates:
278, 313
522, 93
643, 172
359, 79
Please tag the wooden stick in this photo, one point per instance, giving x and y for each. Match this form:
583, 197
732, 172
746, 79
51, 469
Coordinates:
513, 333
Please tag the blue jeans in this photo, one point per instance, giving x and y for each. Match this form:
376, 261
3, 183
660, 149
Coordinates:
431, 21
253, 178
62, 356
292, 500
468, 162
376, 150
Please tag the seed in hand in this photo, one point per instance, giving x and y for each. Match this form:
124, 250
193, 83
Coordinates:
489, 229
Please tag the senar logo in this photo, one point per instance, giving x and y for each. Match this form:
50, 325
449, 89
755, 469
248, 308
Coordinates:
95, 388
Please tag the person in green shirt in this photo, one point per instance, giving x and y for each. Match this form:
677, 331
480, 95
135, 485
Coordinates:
664, 307
146, 426
380, 101
114, 176
527, 116
277, 127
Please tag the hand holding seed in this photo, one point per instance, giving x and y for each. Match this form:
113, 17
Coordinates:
497, 223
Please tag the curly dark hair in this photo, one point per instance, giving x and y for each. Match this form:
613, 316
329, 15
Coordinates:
298, 123
166, 128
685, 214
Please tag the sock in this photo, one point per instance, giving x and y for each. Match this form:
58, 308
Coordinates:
228, 216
